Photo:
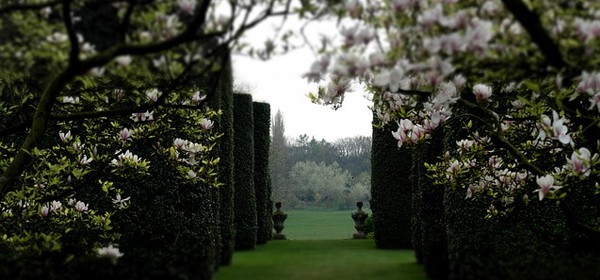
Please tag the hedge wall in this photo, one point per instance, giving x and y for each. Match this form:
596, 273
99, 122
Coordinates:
224, 100
417, 172
434, 245
391, 193
262, 178
244, 196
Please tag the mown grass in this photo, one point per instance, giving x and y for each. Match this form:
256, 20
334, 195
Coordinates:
322, 259
319, 225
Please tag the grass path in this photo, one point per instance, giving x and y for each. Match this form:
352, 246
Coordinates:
322, 259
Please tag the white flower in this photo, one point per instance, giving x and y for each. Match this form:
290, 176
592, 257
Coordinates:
206, 124
65, 136
70, 100
120, 202
179, 143
546, 184
124, 60
84, 160
482, 92
153, 94
55, 205
71, 201
196, 98
57, 37
191, 174
81, 207
110, 252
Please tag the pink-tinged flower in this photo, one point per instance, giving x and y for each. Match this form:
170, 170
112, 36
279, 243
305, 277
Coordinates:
580, 162
546, 184
400, 135
482, 92
453, 169
71, 201
84, 160
142, 117
554, 129
65, 137
317, 69
55, 205
110, 252
590, 84
429, 17
44, 211
479, 34
595, 102
187, 6
179, 143
124, 135
81, 207
391, 79
197, 97
401, 5
194, 147
153, 94
223, 21
206, 124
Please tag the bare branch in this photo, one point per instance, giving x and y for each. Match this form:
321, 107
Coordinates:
68, 21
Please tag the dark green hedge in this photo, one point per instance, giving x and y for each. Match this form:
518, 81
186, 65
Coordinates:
262, 178
434, 246
224, 100
391, 192
416, 177
244, 197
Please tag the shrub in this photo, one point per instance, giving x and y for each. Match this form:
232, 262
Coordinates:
262, 178
390, 191
244, 196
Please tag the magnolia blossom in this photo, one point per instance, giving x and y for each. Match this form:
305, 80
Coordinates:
70, 100
44, 211
391, 79
580, 162
187, 6
194, 147
84, 160
125, 157
110, 252
191, 174
81, 207
197, 97
554, 129
179, 143
206, 124
142, 117
546, 184
317, 70
153, 94
120, 202
124, 135
55, 205
57, 37
123, 60
482, 92
65, 137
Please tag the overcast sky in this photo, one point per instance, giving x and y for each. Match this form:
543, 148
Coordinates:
279, 82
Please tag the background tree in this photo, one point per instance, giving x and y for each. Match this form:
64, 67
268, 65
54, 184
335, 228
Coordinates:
278, 158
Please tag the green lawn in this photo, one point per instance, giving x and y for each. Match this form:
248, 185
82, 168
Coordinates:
319, 225
322, 259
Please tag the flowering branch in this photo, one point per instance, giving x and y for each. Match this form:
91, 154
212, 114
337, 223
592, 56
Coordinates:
28, 7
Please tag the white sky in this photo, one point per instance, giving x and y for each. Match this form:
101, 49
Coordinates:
279, 82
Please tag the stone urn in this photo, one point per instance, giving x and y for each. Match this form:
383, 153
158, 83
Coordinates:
278, 219
359, 217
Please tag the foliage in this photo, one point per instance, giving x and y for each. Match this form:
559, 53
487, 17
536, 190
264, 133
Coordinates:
262, 178
244, 196
328, 186
278, 159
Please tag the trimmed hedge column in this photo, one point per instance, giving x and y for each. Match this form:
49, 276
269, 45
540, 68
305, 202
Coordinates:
391, 193
223, 99
434, 245
244, 197
262, 178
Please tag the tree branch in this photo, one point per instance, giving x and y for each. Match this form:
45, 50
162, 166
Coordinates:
531, 22
68, 22
28, 7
